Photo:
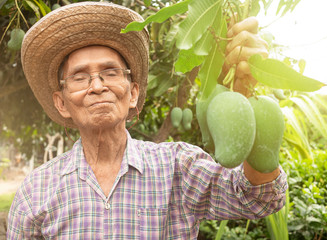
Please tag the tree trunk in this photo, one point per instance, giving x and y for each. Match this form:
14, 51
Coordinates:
183, 95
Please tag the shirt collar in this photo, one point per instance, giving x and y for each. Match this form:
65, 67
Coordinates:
132, 157
132, 154
76, 159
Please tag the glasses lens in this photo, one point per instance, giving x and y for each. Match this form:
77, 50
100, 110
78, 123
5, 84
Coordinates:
78, 82
112, 76
81, 81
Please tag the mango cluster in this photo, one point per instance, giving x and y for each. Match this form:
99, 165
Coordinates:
181, 117
238, 128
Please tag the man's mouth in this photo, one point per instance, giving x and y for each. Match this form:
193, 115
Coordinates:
100, 103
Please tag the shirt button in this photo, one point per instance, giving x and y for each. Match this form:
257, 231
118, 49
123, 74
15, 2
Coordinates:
107, 206
139, 213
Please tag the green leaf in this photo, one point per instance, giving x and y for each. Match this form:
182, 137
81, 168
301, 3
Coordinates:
255, 8
266, 4
297, 136
221, 229
277, 74
313, 219
301, 64
41, 7
210, 71
34, 8
164, 81
147, 3
187, 60
280, 5
212, 65
171, 37
319, 100
162, 15
203, 46
272, 227
2, 2
200, 16
288, 5
152, 82
312, 112
45, 7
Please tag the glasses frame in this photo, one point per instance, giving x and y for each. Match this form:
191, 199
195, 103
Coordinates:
98, 74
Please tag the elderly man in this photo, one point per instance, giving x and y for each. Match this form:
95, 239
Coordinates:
88, 76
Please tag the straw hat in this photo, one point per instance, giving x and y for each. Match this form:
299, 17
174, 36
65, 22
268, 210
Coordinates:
74, 26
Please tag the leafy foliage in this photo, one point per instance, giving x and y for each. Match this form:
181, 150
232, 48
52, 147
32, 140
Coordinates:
5, 201
162, 15
276, 74
200, 16
181, 45
306, 213
307, 186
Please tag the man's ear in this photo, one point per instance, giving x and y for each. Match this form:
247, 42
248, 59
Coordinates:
59, 103
134, 94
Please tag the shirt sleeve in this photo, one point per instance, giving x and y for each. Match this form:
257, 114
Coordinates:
21, 224
214, 192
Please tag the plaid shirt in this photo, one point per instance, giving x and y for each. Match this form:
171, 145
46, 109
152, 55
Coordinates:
162, 191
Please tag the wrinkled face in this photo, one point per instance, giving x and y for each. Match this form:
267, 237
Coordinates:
99, 105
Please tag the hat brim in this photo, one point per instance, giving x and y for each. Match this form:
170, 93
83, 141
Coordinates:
73, 27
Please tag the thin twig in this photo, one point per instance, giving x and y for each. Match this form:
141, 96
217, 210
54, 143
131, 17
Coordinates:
161, 4
218, 39
9, 24
246, 9
149, 7
18, 8
142, 133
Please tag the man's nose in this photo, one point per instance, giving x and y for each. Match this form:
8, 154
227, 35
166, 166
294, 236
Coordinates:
97, 84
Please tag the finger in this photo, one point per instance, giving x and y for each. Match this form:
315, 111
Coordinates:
244, 53
246, 39
244, 85
233, 20
249, 24
242, 69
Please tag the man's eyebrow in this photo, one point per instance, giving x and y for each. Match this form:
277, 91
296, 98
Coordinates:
79, 68
85, 67
111, 64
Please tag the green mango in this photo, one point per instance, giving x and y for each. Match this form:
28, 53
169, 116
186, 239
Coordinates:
187, 118
55, 6
176, 116
16, 39
279, 94
264, 156
201, 115
232, 126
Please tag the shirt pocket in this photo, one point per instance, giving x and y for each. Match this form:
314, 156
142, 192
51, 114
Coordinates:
152, 223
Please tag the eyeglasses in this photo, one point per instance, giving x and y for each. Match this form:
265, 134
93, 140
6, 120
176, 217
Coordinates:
82, 81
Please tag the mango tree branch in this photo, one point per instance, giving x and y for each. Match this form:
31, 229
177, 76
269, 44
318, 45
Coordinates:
246, 9
149, 7
183, 95
5, 91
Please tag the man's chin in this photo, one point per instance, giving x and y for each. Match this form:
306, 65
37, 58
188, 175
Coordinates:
105, 120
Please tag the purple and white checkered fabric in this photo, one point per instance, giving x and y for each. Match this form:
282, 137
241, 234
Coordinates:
162, 191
